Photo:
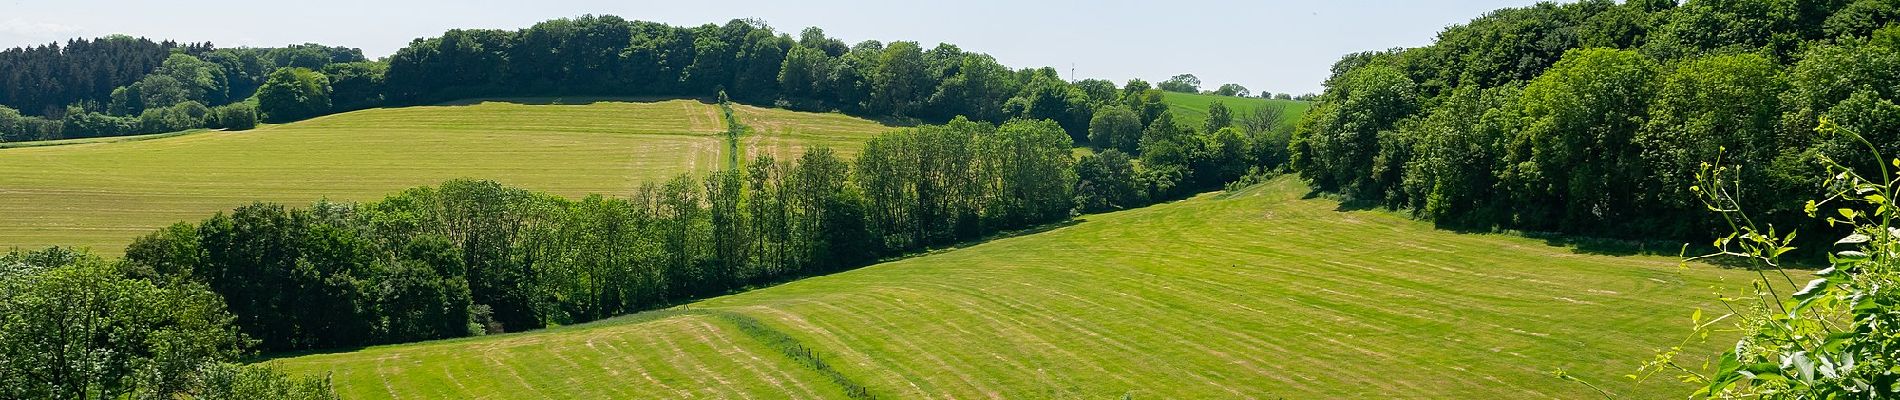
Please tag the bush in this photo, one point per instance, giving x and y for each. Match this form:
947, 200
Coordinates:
292, 94
178, 117
234, 117
90, 124
235, 382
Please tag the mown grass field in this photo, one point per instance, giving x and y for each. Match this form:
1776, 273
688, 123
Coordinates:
102, 194
787, 134
1262, 293
1192, 108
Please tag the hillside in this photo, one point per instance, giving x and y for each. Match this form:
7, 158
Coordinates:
1192, 108
102, 194
1263, 293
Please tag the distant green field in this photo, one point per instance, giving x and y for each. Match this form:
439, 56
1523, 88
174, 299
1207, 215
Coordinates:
104, 193
1262, 293
1192, 108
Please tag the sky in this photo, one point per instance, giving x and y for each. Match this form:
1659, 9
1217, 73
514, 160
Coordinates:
1280, 46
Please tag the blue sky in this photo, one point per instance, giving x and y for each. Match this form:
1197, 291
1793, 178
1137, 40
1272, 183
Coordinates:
1274, 45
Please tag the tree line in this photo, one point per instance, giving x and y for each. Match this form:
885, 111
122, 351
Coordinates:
1593, 117
474, 257
119, 85
585, 56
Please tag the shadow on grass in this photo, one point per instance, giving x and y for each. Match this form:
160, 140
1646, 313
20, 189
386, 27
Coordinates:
1610, 246
642, 316
1583, 244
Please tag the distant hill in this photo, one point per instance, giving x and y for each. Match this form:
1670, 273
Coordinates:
103, 193
1192, 108
1262, 293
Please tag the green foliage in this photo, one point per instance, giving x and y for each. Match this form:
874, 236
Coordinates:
1116, 128
233, 382
900, 81
1700, 27
1620, 103
1835, 337
235, 117
1232, 89
177, 117
1727, 106
1218, 117
291, 94
1337, 141
1457, 155
1183, 83
1106, 181
1047, 97
1571, 164
356, 85
13, 126
71, 326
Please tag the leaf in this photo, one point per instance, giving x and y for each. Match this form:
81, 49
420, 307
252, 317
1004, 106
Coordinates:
1846, 212
1854, 239
1852, 255
1814, 287
1725, 373
1802, 365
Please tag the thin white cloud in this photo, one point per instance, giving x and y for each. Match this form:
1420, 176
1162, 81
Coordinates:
22, 27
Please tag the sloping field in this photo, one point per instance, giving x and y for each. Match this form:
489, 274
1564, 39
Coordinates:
1257, 294
786, 134
1192, 108
104, 194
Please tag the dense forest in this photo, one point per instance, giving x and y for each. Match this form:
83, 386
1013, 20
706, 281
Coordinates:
1593, 117
119, 85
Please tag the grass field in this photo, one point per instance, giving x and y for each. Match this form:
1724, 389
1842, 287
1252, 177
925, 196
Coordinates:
786, 134
1192, 108
104, 193
1262, 293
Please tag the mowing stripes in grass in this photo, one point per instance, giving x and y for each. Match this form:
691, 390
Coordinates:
1260, 293
791, 348
103, 193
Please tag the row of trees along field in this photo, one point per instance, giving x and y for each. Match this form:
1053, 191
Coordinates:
1592, 117
586, 56
119, 85
473, 256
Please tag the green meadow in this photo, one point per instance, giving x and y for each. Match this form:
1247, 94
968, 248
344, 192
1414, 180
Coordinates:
102, 193
1190, 108
1262, 293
